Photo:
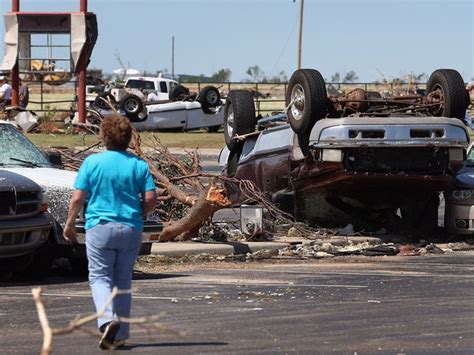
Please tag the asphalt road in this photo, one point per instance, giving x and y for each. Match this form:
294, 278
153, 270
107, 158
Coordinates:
348, 304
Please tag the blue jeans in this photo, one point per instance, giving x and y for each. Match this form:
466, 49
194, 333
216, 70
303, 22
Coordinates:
112, 249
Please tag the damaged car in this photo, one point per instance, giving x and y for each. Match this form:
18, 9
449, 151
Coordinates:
459, 217
26, 238
20, 156
358, 158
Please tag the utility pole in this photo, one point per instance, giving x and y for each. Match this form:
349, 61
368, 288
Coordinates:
15, 69
172, 57
300, 34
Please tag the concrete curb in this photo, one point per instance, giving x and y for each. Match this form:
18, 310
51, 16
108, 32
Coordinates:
180, 249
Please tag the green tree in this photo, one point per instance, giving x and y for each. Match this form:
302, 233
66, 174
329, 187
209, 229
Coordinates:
255, 73
350, 77
221, 76
336, 78
416, 78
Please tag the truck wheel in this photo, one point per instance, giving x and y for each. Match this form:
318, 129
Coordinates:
132, 105
100, 104
42, 260
446, 86
179, 92
306, 99
239, 116
209, 97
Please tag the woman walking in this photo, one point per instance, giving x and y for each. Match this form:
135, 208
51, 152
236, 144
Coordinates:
119, 190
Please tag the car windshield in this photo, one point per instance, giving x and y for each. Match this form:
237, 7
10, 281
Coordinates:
17, 150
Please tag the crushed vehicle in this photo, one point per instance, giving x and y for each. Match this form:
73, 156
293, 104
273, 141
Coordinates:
459, 217
174, 107
26, 238
20, 156
359, 159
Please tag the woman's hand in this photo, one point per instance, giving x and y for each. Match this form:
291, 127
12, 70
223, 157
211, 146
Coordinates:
70, 233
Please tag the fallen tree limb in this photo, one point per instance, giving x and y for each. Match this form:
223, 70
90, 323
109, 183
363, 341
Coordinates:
78, 323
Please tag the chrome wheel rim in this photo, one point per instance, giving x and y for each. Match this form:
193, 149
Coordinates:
212, 97
298, 101
230, 122
131, 105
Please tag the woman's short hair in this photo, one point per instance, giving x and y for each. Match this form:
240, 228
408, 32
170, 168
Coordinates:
116, 132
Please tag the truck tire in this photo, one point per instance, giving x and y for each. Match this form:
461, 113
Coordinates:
308, 98
450, 85
132, 105
42, 261
209, 97
179, 92
100, 104
239, 116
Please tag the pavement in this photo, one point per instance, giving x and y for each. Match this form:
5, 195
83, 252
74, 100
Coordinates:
180, 249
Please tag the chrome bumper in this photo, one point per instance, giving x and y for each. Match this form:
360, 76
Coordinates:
23, 236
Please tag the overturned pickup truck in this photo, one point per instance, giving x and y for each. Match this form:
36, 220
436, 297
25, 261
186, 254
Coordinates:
359, 158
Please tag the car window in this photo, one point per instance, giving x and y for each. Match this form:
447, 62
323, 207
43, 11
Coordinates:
15, 145
163, 87
172, 85
140, 84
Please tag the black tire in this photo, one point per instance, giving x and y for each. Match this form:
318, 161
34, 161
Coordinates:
451, 84
100, 104
42, 260
209, 97
132, 105
240, 105
179, 92
79, 266
311, 104
213, 129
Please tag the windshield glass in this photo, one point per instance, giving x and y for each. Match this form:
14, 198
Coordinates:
14, 147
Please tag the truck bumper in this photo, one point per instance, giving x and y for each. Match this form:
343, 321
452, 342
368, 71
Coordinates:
459, 218
22, 237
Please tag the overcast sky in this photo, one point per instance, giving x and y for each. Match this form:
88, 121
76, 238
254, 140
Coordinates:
371, 37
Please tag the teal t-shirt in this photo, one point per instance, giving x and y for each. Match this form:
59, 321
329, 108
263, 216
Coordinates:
114, 181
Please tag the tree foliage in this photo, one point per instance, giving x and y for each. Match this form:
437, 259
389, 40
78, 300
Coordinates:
258, 75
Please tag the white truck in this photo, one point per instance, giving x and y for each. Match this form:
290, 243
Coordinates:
175, 107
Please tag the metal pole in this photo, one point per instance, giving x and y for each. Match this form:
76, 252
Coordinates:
172, 57
81, 94
83, 6
15, 5
300, 35
15, 69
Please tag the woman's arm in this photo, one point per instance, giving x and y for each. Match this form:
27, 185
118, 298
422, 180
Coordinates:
149, 201
77, 201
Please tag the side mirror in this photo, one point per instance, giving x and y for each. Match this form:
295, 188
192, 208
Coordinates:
54, 158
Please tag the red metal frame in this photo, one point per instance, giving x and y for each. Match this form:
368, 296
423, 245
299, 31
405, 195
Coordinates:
81, 103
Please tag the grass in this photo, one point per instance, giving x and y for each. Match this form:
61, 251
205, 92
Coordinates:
189, 140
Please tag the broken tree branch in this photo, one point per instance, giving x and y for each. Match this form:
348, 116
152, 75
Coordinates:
78, 323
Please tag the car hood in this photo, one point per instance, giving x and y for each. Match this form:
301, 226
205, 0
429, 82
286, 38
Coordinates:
21, 183
57, 183
47, 177
465, 178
